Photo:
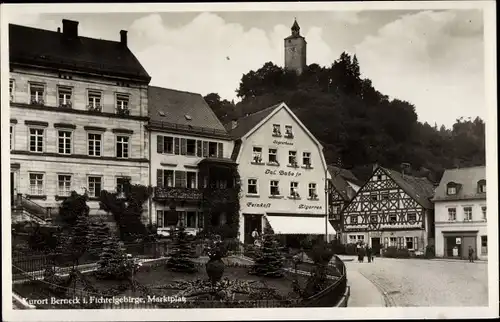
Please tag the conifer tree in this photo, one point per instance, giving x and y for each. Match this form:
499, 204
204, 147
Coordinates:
113, 262
78, 238
99, 232
269, 260
180, 260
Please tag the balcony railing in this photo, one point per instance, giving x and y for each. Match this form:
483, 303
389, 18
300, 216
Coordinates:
180, 193
174, 126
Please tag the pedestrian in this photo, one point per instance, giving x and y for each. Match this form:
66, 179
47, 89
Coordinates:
255, 235
358, 250
471, 254
369, 254
362, 251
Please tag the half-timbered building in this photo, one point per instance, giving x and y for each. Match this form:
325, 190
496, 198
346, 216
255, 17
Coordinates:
391, 209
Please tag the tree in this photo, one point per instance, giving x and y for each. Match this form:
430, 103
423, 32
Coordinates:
78, 239
180, 259
99, 233
114, 263
71, 208
269, 260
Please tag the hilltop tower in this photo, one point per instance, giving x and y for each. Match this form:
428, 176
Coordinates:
295, 50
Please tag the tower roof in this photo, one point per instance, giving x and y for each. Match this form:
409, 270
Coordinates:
295, 26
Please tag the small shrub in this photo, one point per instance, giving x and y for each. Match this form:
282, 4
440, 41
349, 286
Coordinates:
394, 252
114, 263
183, 251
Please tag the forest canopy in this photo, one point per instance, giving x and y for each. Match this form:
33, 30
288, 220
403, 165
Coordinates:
356, 124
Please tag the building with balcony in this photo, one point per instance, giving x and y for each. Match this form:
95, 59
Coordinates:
191, 168
283, 174
343, 187
461, 217
391, 209
78, 110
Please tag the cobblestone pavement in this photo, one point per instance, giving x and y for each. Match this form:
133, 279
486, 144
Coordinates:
414, 282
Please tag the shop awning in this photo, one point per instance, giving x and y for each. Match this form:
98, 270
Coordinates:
299, 225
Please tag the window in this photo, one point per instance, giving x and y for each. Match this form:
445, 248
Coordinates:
191, 147
312, 191
168, 144
36, 140
95, 186
352, 239
274, 185
11, 89
451, 189
361, 237
180, 179
273, 156
94, 100
393, 241
373, 196
94, 144
122, 101
64, 142
257, 154
64, 94
409, 242
191, 179
292, 157
252, 186
380, 177
374, 219
452, 214
353, 219
288, 131
306, 159
120, 183
165, 178
467, 213
385, 195
36, 184
212, 149
412, 218
64, 185
481, 186
484, 245
294, 189
483, 211
276, 130
393, 219
37, 93
122, 146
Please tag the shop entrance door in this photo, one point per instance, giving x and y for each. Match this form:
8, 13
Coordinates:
252, 222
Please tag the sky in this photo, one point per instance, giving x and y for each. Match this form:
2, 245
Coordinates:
432, 59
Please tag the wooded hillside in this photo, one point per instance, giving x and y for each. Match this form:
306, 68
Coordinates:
357, 124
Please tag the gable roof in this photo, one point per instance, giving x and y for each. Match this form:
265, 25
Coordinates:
345, 174
178, 110
248, 122
47, 48
340, 184
467, 178
420, 189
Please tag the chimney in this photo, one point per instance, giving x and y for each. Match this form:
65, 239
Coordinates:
58, 30
404, 166
375, 166
70, 29
234, 124
123, 37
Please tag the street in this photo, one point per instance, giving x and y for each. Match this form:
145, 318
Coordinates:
414, 282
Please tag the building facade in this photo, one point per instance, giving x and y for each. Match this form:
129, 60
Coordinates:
461, 216
283, 174
391, 210
295, 50
78, 110
190, 155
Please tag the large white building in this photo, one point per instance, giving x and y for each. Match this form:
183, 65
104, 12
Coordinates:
283, 174
186, 136
460, 210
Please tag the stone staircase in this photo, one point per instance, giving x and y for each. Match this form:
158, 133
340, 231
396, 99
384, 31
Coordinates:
24, 209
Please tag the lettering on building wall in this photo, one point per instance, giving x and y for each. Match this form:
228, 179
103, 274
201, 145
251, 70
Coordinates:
258, 205
307, 207
283, 173
282, 142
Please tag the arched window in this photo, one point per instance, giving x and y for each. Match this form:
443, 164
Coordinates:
451, 188
481, 186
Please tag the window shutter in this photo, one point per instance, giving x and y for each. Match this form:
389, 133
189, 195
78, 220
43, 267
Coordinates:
159, 178
220, 150
386, 242
177, 145
200, 219
198, 148
205, 149
159, 218
415, 243
159, 143
183, 146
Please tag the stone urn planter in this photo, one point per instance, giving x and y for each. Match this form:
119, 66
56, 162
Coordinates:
215, 266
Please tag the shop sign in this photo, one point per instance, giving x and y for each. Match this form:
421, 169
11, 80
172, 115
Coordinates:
283, 173
282, 142
458, 240
258, 204
307, 207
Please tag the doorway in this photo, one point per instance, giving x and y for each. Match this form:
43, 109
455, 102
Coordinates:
250, 223
376, 245
453, 242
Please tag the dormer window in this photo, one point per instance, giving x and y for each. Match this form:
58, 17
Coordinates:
451, 189
288, 131
481, 186
188, 117
276, 130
